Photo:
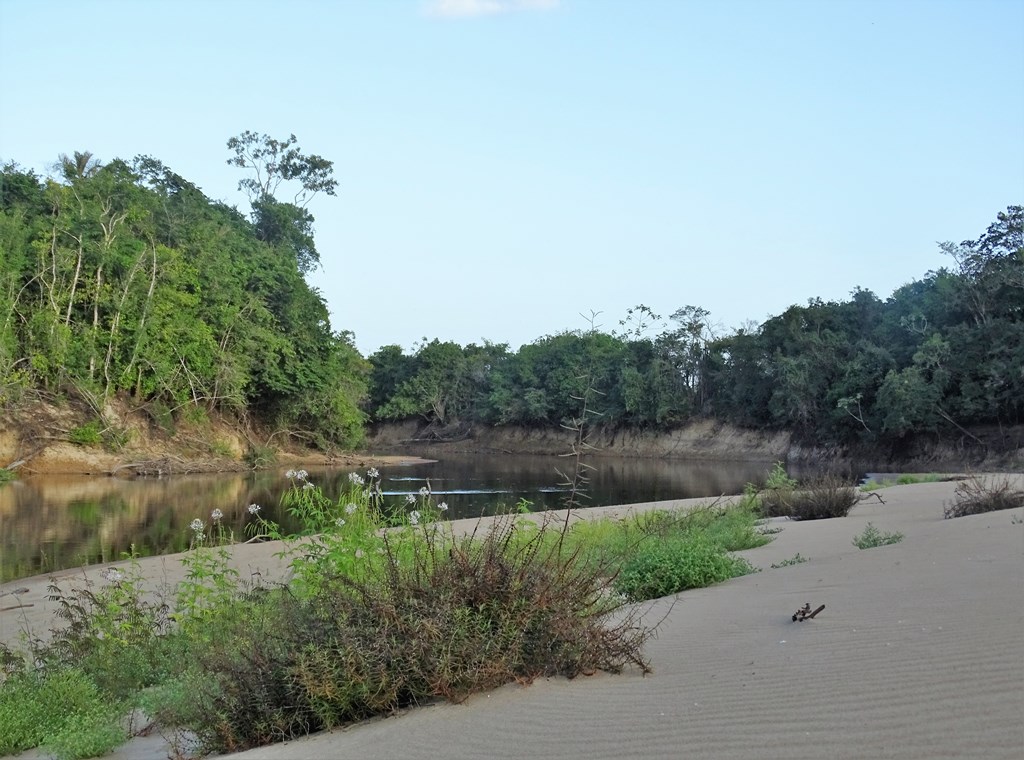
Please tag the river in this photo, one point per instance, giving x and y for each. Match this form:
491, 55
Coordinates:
54, 522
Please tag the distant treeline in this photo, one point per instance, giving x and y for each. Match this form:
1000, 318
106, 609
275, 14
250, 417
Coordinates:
125, 279
943, 353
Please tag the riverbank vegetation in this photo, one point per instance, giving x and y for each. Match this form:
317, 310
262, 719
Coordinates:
388, 606
939, 358
124, 280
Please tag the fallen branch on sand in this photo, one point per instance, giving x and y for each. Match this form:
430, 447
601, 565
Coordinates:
804, 613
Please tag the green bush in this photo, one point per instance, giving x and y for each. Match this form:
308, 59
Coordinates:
89, 434
663, 568
819, 499
447, 617
63, 710
872, 537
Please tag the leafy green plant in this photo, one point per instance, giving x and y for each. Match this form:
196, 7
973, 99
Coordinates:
62, 709
6, 476
210, 583
871, 537
89, 434
662, 568
114, 633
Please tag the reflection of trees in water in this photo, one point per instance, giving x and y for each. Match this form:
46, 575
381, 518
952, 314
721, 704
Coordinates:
55, 522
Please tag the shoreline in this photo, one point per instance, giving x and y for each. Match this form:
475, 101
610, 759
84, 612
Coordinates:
914, 656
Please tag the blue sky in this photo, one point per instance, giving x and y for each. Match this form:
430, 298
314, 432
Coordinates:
506, 165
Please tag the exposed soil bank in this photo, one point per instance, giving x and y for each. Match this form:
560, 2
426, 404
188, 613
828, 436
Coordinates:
1001, 449
36, 439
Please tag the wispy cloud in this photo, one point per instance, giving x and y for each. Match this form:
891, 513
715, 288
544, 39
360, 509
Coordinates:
469, 8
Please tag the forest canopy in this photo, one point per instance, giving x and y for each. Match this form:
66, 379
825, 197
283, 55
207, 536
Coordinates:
941, 354
125, 279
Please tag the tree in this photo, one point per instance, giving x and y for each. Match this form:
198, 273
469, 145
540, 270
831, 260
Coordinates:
276, 161
287, 225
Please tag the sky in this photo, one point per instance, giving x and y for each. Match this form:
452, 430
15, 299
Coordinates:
507, 168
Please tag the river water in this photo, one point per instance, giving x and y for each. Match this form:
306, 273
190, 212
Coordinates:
54, 522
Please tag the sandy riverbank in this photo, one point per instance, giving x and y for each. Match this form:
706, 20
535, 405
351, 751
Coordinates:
917, 655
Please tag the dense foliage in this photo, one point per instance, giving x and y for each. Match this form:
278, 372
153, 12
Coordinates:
941, 354
126, 279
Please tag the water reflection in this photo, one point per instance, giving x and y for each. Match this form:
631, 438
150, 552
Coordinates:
52, 522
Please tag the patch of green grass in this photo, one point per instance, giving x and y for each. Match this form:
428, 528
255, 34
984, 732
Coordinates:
667, 567
872, 537
904, 479
6, 476
62, 710
909, 478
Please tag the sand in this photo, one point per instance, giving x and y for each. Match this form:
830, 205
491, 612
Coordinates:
918, 654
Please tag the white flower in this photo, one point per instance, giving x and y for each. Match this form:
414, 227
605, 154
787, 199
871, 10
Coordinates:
302, 474
372, 473
196, 525
414, 517
339, 522
290, 474
308, 486
424, 491
443, 506
355, 479
350, 509
410, 499
216, 515
254, 509
112, 575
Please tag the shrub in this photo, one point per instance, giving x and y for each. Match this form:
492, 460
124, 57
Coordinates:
774, 497
975, 496
89, 434
662, 568
825, 497
872, 537
445, 618
63, 709
114, 634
